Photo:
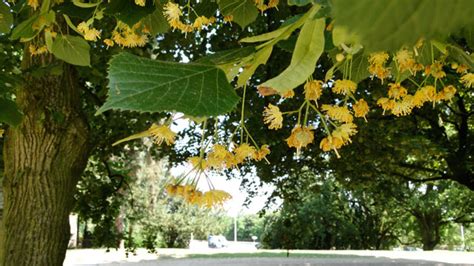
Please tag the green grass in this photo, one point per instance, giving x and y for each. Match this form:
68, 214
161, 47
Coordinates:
264, 254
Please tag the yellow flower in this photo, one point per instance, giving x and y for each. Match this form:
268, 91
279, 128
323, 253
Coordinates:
339, 113
429, 93
378, 58
197, 163
228, 19
2, 131
419, 98
273, 3
201, 21
468, 80
218, 156
461, 69
386, 104
196, 197
396, 91
300, 137
125, 36
214, 197
109, 42
405, 61
447, 93
82, 27
162, 134
34, 50
140, 2
171, 189
436, 70
379, 71
344, 86
288, 94
344, 132
403, 107
331, 143
172, 11
244, 151
377, 62
313, 90
219, 151
92, 34
273, 117
361, 108
34, 4
262, 153
261, 5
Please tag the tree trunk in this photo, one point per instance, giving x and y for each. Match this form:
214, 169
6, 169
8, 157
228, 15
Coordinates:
429, 223
44, 158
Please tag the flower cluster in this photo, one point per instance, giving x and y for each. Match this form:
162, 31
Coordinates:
192, 195
126, 36
263, 7
90, 34
221, 158
173, 14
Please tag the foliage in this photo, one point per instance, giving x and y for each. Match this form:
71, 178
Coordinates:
133, 205
247, 226
327, 216
318, 103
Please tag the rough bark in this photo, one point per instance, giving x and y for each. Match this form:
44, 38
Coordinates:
429, 223
44, 157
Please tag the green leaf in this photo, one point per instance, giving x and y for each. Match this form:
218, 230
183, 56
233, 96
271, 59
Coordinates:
9, 112
360, 68
308, 49
73, 11
205, 8
145, 85
156, 22
298, 2
388, 25
128, 12
6, 18
227, 56
243, 11
71, 49
24, 29
461, 56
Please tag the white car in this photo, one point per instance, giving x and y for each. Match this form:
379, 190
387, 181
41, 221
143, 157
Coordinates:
218, 241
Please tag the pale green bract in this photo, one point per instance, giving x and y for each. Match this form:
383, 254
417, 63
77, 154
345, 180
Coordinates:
145, 85
308, 49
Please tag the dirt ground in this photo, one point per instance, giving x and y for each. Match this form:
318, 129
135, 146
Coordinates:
177, 257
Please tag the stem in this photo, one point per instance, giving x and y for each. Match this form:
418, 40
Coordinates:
321, 116
242, 115
203, 138
306, 115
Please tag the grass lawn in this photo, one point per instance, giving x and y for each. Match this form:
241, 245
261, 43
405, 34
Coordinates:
266, 254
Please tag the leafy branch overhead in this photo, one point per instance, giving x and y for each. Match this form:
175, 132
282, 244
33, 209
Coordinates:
144, 85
